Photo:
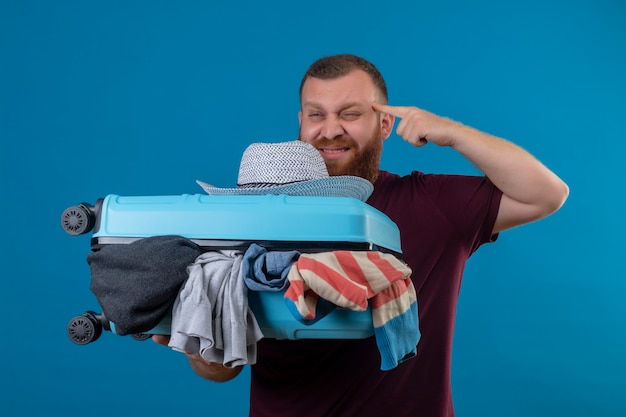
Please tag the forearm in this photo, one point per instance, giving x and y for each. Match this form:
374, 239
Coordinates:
213, 371
207, 370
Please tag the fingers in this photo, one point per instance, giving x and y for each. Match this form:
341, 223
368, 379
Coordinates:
414, 123
396, 111
161, 339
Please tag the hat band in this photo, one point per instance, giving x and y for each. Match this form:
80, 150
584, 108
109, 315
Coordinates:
267, 184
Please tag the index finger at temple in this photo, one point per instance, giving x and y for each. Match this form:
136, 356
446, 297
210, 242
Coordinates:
397, 111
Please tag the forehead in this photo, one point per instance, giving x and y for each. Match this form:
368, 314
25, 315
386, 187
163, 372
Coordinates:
354, 87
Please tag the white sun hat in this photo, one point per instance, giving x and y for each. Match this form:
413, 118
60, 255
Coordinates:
291, 168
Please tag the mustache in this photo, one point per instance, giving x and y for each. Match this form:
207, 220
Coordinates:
344, 141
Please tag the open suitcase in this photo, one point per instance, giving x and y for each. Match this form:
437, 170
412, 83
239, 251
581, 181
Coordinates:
276, 222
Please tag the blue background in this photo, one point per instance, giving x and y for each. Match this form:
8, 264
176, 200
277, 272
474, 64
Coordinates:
144, 97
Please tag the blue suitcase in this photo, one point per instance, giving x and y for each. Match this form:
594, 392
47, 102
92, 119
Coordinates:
276, 222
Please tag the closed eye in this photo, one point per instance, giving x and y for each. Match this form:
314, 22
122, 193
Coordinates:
349, 116
315, 116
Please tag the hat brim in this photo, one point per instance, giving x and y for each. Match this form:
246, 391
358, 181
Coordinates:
338, 186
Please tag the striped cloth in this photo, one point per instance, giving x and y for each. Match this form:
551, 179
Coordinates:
354, 280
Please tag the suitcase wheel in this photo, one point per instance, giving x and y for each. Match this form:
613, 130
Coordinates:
78, 220
141, 336
84, 329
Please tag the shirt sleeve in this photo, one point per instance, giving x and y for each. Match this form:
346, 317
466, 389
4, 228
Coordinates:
469, 203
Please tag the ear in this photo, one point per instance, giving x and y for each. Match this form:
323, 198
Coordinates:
386, 125
300, 118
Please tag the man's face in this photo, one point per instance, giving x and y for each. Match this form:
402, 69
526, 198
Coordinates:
337, 118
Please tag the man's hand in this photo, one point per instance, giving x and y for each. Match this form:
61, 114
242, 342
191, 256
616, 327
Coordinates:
208, 370
419, 127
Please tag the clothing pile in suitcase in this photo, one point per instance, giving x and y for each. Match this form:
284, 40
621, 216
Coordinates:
293, 255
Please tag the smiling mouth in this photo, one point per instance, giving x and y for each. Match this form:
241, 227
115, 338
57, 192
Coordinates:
331, 154
333, 150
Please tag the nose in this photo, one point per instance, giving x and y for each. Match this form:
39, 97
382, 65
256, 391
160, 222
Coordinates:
332, 127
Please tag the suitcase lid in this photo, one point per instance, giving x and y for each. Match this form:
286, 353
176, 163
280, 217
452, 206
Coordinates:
231, 221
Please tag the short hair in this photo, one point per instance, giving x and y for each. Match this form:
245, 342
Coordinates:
335, 66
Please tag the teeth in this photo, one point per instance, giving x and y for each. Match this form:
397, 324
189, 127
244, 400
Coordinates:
334, 150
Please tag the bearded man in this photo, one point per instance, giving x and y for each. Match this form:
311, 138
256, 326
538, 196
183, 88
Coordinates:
442, 218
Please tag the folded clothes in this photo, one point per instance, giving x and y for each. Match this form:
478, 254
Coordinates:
211, 317
354, 280
137, 283
263, 270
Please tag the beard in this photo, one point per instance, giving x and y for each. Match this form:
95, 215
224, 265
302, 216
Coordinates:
366, 161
